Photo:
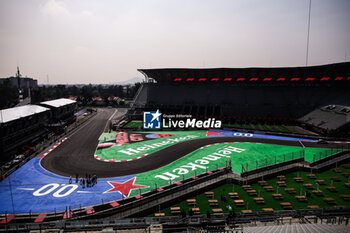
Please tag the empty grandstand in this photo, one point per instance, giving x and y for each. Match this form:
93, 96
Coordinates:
251, 94
331, 119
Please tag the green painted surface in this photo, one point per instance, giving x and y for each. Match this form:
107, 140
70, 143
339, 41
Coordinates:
204, 159
126, 152
133, 124
107, 136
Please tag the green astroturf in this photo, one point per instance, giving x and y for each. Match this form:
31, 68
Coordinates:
107, 136
202, 200
133, 124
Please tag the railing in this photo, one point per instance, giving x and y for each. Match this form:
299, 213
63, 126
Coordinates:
325, 154
271, 161
328, 215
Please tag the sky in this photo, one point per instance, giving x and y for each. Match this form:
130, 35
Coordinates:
106, 41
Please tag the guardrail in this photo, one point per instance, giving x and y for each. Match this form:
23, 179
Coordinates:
234, 221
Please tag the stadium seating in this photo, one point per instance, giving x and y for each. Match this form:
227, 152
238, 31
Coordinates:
330, 118
298, 228
233, 100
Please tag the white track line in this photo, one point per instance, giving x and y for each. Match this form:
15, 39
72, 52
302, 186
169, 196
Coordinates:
109, 119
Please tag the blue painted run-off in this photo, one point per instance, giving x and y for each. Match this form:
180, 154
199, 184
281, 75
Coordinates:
32, 177
224, 133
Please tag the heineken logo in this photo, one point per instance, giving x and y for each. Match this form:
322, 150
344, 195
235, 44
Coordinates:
133, 151
198, 164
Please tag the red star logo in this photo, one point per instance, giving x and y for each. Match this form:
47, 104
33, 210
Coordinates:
212, 133
124, 188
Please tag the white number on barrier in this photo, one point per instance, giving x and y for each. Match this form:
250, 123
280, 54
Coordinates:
40, 192
71, 187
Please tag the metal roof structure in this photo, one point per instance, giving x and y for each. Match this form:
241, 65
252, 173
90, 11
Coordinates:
338, 73
58, 102
11, 114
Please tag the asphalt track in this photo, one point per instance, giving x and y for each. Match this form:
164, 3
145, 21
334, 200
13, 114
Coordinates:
76, 154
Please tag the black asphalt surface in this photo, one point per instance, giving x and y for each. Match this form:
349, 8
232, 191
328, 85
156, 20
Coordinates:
76, 154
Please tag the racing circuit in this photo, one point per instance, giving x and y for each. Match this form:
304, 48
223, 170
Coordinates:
76, 154
42, 184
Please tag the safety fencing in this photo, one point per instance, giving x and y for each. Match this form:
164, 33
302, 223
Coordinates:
270, 161
326, 153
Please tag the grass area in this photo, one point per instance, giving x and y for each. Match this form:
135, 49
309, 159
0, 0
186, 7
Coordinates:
133, 125
107, 136
284, 129
265, 127
275, 128
270, 202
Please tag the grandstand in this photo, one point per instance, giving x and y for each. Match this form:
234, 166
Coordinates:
250, 94
331, 119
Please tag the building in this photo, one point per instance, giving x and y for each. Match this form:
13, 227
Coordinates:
20, 82
62, 111
21, 127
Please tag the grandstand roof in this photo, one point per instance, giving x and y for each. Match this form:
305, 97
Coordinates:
15, 113
338, 72
58, 102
